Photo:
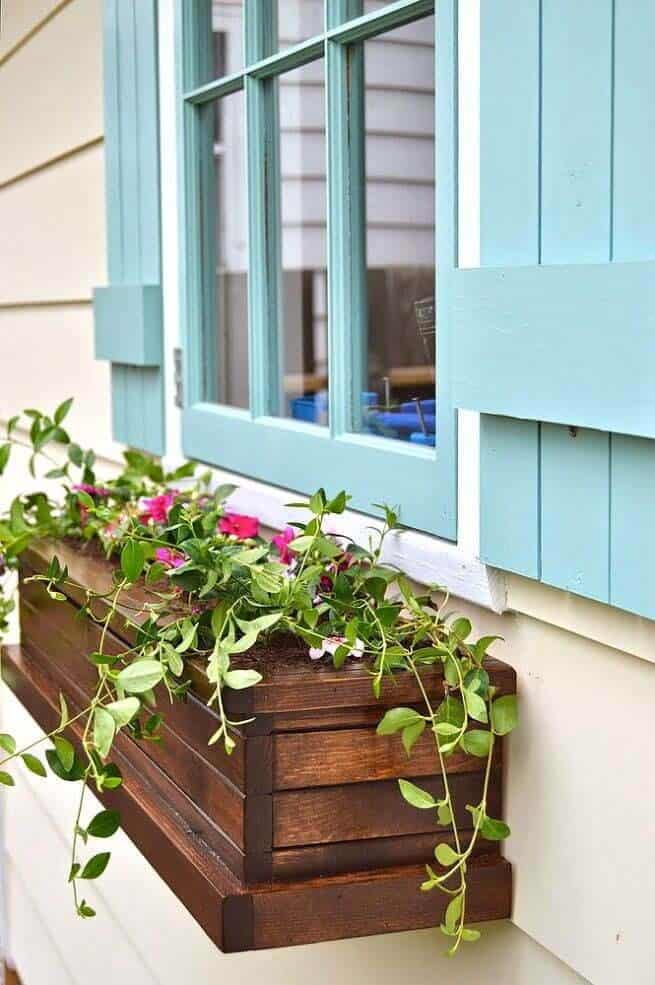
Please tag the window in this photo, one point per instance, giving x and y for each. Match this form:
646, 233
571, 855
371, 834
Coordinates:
315, 160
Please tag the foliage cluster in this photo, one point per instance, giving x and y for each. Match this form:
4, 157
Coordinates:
213, 589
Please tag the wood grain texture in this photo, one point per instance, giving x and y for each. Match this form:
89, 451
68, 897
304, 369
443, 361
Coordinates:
370, 810
318, 759
310, 803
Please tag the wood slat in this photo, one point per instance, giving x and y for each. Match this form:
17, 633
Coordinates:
318, 759
370, 810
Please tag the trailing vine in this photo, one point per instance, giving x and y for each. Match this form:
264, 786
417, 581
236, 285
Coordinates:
212, 587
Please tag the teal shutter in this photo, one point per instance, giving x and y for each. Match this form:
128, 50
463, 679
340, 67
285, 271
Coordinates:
128, 312
555, 333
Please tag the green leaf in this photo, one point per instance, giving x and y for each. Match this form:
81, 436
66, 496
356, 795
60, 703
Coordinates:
444, 814
476, 743
218, 616
494, 830
261, 624
461, 629
123, 711
76, 455
100, 659
301, 543
470, 935
5, 452
239, 679
65, 752
317, 501
104, 824
74, 871
140, 676
445, 855
8, 743
132, 560
75, 773
95, 866
86, 911
189, 630
411, 734
475, 705
480, 648
416, 796
245, 643
454, 912
34, 764
450, 672
63, 410
6, 779
104, 729
446, 729
64, 717
504, 714
450, 710
396, 719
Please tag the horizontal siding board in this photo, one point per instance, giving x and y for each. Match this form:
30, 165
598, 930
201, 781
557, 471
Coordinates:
59, 110
575, 510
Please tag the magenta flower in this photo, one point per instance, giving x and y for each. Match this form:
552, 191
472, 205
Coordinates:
158, 507
98, 492
169, 557
282, 541
239, 525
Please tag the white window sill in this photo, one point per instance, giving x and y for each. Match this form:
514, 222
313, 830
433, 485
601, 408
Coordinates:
425, 559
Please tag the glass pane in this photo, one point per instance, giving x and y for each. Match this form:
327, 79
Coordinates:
224, 203
298, 20
218, 36
301, 96
398, 395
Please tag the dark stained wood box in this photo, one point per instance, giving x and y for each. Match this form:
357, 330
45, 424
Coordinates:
301, 835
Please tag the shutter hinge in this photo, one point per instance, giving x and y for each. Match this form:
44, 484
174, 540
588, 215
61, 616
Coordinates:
178, 381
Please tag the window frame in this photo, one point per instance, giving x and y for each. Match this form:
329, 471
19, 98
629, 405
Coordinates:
285, 452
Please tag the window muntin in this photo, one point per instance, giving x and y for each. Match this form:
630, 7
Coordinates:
263, 441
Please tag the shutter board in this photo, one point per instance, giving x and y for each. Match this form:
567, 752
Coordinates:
571, 344
128, 312
572, 509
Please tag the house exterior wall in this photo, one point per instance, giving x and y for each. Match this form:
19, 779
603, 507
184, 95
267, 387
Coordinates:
580, 769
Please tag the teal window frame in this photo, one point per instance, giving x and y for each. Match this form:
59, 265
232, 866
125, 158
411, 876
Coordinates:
288, 453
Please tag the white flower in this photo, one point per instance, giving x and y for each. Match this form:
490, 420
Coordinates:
332, 643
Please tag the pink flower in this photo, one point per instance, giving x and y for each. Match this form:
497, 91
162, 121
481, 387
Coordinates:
282, 541
239, 525
342, 563
158, 507
96, 491
169, 557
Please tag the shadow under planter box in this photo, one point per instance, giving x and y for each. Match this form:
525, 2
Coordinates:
301, 835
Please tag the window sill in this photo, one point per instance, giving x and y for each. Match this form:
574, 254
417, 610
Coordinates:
424, 558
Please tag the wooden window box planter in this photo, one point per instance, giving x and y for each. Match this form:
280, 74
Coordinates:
295, 838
